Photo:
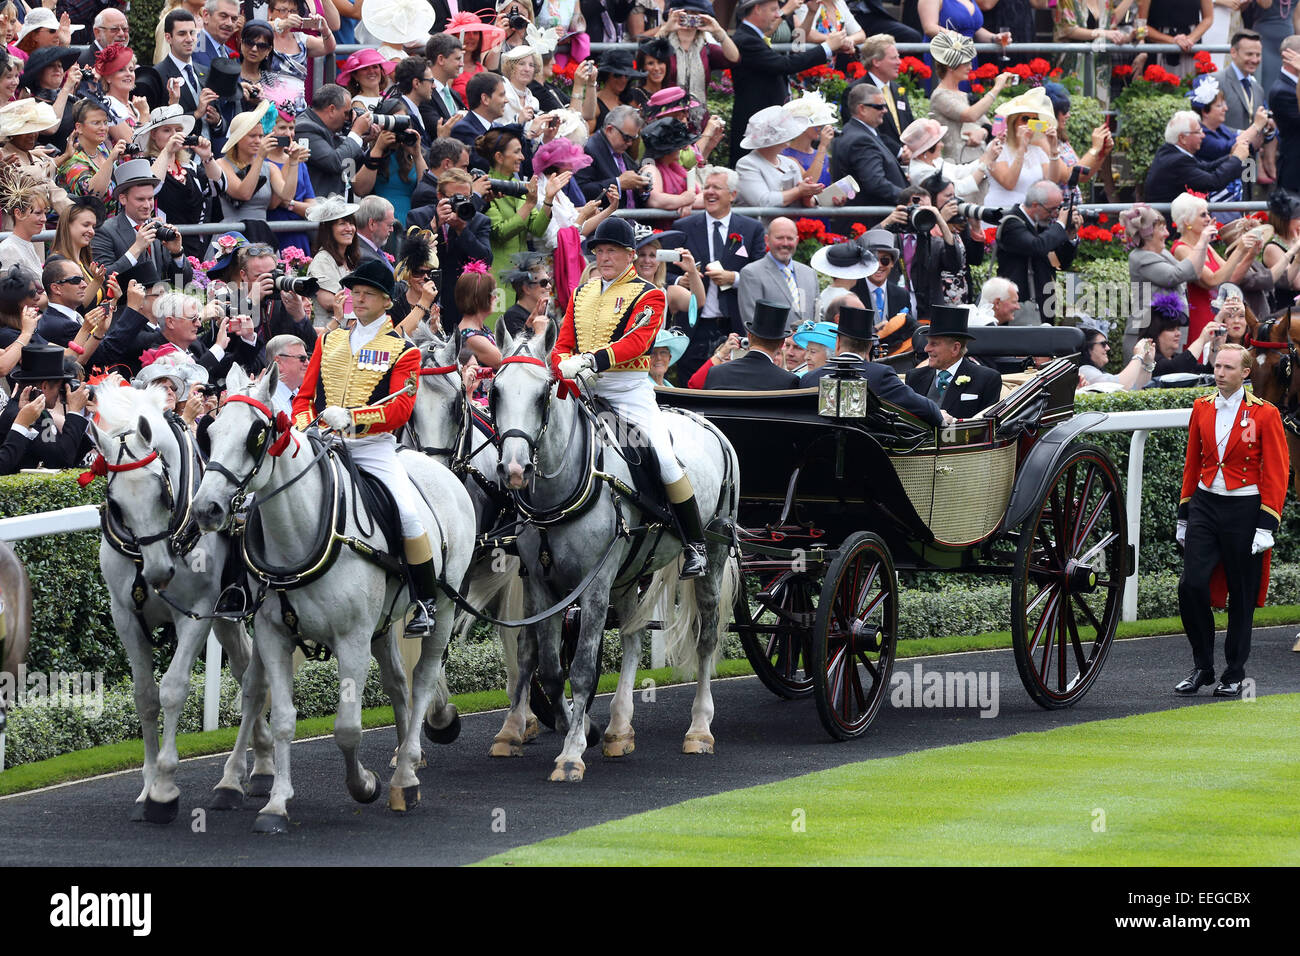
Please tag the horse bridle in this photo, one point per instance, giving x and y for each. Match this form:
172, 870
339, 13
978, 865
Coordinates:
566, 389
462, 417
180, 533
1284, 372
258, 444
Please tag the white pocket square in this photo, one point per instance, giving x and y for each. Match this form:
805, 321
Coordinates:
969, 396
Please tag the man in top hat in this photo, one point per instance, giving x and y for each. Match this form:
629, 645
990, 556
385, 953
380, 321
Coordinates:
132, 235
760, 76
855, 336
958, 385
777, 277
57, 440
614, 363
1235, 477
757, 370
350, 371
886, 297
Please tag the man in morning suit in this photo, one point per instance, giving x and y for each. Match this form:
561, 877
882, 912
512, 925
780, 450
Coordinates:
880, 56
125, 239
610, 162
181, 31
486, 96
856, 330
1176, 168
862, 153
334, 156
219, 19
760, 77
1235, 477
722, 243
446, 56
949, 378
757, 370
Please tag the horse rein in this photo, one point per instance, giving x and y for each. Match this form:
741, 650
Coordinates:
1284, 372
179, 528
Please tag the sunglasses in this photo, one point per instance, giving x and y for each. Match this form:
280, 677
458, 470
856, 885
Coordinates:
257, 44
302, 359
419, 273
70, 280
874, 106
541, 282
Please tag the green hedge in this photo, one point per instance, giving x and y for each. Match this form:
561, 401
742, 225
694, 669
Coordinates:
143, 20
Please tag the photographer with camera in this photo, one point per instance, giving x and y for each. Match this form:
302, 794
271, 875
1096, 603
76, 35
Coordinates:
273, 300
513, 17
395, 164
334, 154
184, 163
1028, 237
463, 234
249, 182
135, 234
49, 406
931, 253
518, 208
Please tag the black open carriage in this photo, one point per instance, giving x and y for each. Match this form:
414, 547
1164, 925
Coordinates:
839, 491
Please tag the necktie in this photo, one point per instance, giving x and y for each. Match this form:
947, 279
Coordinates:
909, 250
193, 81
451, 103
893, 107
880, 305
945, 377
1245, 83
717, 240
793, 286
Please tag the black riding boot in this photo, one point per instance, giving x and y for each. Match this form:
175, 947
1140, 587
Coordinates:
234, 602
695, 557
424, 595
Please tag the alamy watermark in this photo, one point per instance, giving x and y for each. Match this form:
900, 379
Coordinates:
959, 690
80, 690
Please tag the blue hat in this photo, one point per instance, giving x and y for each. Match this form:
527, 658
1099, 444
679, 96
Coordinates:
219, 258
674, 341
1059, 96
819, 333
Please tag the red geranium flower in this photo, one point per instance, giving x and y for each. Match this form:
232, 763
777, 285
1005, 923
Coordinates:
977, 87
986, 71
1039, 67
990, 234
916, 67
857, 70
1102, 217
1123, 69
1021, 71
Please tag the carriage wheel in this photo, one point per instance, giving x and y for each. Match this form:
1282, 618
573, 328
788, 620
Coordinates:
775, 637
538, 702
1068, 579
854, 641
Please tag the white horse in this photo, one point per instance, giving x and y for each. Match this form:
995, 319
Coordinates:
579, 532
345, 605
441, 425
152, 470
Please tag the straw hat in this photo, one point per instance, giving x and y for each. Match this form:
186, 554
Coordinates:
330, 208
1034, 102
772, 126
245, 123
26, 116
398, 21
922, 134
951, 49
174, 115
812, 107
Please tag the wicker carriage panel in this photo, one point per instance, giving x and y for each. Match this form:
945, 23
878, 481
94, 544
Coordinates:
916, 472
971, 491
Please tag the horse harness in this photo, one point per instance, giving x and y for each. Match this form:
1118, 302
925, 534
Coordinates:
1284, 371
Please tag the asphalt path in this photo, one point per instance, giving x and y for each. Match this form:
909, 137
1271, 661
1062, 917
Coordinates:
474, 806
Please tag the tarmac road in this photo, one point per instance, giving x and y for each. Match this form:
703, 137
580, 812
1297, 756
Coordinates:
467, 796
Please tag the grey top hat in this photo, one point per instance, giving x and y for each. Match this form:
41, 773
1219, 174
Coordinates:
134, 172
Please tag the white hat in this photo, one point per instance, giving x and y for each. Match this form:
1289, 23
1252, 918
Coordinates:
39, 18
173, 115
26, 116
1034, 101
178, 366
772, 126
398, 21
330, 208
815, 109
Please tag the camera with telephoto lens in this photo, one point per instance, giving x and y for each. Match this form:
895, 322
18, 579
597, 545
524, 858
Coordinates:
968, 210
164, 232
287, 283
396, 122
1089, 217
509, 187
921, 219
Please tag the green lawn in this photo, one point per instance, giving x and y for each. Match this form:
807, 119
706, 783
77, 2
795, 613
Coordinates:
1160, 789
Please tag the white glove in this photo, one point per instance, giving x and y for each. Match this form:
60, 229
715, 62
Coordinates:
1181, 533
586, 378
570, 366
1263, 541
336, 418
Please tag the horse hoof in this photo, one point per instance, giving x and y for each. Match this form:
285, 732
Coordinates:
271, 823
403, 799
506, 748
533, 728
137, 812
570, 771
698, 744
444, 736
259, 785
226, 798
419, 764
593, 734
619, 745
155, 812
376, 790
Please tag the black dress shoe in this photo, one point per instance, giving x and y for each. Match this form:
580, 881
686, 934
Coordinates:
1228, 689
1194, 682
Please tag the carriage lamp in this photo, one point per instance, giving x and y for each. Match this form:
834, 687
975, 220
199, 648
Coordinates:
843, 393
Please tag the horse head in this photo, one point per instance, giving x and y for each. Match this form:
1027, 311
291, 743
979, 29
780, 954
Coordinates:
139, 455
521, 404
241, 437
1274, 377
438, 416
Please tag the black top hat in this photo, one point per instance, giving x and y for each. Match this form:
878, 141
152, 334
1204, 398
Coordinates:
665, 136
371, 273
149, 84
619, 63
613, 232
143, 272
950, 320
41, 363
855, 323
771, 320
46, 56
223, 76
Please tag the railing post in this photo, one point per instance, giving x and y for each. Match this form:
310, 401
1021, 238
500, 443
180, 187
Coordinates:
212, 683
1137, 447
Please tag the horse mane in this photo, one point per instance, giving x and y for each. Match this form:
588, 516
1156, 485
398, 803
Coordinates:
119, 408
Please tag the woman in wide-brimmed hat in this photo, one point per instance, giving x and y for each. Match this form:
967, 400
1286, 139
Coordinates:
477, 38
949, 103
768, 178
1032, 152
42, 29
364, 74
338, 251
21, 124
846, 264
811, 149
51, 74
186, 174
251, 184
671, 184
615, 71
669, 346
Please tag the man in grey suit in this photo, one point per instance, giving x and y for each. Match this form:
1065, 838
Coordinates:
334, 156
374, 217
1244, 93
778, 278
130, 236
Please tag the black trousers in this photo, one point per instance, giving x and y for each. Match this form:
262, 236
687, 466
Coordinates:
1220, 528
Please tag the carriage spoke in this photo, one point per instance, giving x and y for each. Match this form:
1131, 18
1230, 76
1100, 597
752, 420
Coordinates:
1096, 549
1091, 523
853, 682
1043, 618
834, 677
1088, 613
1079, 657
1080, 529
1044, 592
1062, 629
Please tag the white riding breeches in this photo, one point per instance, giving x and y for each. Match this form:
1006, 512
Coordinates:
632, 395
377, 455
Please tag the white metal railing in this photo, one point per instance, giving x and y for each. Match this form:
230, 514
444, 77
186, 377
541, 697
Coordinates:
1140, 424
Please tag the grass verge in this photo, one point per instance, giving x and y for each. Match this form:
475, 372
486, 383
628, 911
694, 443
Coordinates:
130, 754
1105, 793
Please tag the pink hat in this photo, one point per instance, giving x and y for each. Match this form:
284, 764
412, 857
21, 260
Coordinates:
362, 59
464, 21
561, 153
921, 134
